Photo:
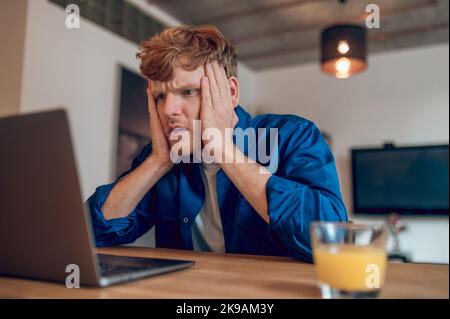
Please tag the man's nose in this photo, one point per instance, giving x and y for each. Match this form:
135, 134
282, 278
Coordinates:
172, 105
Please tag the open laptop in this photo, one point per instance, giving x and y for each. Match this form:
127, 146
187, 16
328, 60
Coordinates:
44, 226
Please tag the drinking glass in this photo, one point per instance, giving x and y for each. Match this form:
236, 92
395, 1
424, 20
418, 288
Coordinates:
350, 259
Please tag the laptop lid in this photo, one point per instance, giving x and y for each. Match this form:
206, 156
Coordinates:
43, 224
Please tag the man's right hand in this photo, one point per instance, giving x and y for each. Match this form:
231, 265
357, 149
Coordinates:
129, 191
160, 145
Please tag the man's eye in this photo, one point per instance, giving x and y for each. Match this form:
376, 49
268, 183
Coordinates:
160, 97
190, 92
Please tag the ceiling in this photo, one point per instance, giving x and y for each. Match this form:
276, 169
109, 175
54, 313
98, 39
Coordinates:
273, 33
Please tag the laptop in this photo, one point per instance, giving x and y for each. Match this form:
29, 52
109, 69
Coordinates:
44, 226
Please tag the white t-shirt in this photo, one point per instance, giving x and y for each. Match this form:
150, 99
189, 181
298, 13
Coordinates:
207, 231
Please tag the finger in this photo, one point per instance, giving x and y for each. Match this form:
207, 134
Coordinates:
206, 95
227, 83
219, 73
155, 121
151, 102
224, 85
227, 89
213, 87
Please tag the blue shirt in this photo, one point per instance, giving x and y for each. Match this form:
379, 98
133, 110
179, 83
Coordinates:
303, 189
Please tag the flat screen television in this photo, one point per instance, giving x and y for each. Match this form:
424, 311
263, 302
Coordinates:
403, 180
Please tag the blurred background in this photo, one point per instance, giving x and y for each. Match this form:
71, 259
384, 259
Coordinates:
398, 98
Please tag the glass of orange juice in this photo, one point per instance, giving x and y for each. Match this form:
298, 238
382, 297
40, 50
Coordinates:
350, 259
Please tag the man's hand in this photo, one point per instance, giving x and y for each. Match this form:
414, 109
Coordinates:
160, 145
217, 109
131, 188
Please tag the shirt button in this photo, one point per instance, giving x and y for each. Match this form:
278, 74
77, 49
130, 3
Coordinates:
185, 220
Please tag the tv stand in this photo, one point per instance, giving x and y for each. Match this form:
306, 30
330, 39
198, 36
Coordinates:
400, 257
396, 226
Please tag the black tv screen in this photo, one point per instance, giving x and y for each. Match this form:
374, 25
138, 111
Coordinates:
404, 180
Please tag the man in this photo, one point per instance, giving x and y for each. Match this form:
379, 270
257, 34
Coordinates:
233, 202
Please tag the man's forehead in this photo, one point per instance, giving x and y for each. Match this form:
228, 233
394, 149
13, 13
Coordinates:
182, 78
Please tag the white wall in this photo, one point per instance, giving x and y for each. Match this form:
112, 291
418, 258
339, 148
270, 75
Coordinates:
79, 70
12, 33
403, 97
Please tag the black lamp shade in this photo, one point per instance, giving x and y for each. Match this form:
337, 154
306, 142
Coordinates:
343, 50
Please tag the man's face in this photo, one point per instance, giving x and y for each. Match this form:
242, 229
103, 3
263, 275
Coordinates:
178, 102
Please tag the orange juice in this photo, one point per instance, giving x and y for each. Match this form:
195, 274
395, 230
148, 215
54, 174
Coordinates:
350, 267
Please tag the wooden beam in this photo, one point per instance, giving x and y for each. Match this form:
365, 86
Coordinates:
379, 37
356, 19
258, 10
384, 36
158, 1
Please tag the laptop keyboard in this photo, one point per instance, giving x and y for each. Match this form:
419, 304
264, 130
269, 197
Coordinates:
109, 270
127, 268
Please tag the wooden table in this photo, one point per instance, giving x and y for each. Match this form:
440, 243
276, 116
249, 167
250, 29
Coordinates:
233, 276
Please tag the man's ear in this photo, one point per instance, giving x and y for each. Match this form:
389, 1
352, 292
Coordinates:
234, 90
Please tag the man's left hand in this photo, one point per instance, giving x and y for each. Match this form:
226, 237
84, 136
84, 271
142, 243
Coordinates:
217, 109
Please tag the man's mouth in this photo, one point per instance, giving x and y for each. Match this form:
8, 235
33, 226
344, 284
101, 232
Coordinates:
178, 130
